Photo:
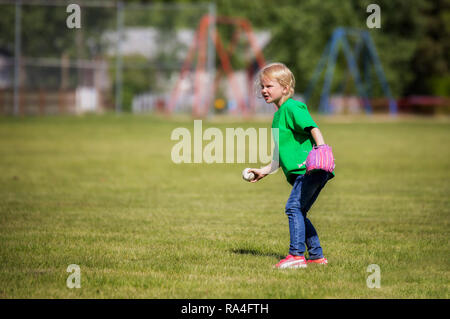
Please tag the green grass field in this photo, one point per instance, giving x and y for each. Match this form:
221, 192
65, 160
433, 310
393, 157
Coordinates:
102, 192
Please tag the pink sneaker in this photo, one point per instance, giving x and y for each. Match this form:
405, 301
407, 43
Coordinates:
322, 261
292, 262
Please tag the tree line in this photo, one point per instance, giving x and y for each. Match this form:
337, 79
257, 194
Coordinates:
412, 42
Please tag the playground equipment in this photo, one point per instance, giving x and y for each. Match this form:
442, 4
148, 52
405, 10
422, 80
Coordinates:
363, 50
352, 55
207, 31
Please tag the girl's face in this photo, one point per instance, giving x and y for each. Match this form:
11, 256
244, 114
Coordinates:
272, 91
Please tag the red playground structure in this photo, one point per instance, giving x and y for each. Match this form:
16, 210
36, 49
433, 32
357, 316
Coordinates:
198, 50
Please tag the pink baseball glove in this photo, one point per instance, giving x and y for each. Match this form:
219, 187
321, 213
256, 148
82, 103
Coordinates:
320, 157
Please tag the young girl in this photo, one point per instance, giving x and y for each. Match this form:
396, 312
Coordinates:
297, 134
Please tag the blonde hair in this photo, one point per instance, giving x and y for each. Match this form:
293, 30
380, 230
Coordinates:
279, 72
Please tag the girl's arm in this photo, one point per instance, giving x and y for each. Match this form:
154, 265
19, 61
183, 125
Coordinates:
264, 171
317, 136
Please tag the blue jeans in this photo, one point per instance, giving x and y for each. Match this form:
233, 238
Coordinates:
304, 192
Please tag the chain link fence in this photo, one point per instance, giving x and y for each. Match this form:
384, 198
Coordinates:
122, 57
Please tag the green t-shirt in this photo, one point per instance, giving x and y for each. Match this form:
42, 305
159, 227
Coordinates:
293, 141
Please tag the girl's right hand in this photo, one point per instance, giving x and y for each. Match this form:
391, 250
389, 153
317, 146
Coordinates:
259, 173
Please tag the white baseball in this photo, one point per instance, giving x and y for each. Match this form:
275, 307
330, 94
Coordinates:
248, 176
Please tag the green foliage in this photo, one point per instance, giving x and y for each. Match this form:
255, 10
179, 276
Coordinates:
430, 62
45, 33
440, 85
300, 31
137, 77
412, 42
163, 15
7, 17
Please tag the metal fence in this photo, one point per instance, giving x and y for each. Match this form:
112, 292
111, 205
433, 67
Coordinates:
119, 57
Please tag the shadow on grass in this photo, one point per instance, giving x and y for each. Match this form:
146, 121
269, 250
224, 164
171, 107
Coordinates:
255, 252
